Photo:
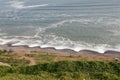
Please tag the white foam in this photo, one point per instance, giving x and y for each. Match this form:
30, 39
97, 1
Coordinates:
59, 24
34, 45
82, 21
100, 49
61, 44
21, 43
7, 41
20, 5
38, 31
103, 21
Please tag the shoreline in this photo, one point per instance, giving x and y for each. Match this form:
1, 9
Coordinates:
57, 51
36, 54
100, 48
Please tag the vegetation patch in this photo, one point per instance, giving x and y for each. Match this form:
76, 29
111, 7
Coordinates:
64, 70
42, 57
15, 62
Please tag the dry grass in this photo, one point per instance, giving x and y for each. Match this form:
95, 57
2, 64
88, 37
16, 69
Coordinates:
4, 64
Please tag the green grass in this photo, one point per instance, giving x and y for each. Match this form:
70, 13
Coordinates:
42, 57
4, 53
63, 70
14, 62
47, 76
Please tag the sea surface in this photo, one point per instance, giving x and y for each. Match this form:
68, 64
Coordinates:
63, 24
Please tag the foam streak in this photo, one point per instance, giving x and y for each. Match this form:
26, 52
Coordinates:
20, 5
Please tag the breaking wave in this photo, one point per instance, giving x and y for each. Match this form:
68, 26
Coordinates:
57, 43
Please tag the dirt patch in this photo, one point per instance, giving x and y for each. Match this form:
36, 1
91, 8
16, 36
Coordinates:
84, 57
32, 61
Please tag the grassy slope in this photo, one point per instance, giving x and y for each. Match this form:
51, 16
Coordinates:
48, 68
64, 70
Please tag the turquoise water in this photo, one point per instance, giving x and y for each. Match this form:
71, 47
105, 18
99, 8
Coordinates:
72, 24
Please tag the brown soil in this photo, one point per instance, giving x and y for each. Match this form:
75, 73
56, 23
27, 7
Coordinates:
60, 54
84, 57
32, 61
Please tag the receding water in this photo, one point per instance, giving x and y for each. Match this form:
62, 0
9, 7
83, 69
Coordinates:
72, 24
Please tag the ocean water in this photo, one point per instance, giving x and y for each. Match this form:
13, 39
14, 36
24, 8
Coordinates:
71, 24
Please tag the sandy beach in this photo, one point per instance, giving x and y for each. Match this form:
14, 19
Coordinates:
61, 53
